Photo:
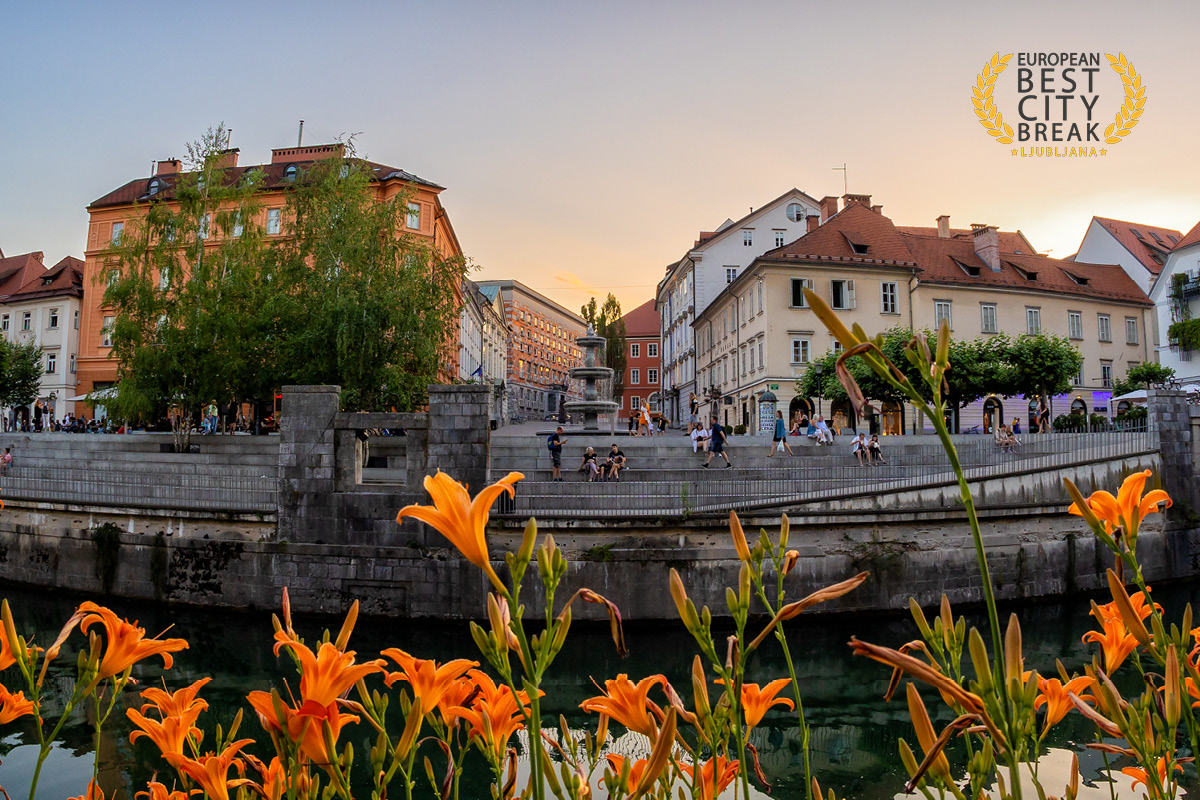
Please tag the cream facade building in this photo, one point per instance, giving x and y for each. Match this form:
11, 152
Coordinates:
760, 335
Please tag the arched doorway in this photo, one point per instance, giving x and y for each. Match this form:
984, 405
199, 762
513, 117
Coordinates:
1124, 406
797, 408
993, 415
842, 417
892, 418
1079, 407
1033, 415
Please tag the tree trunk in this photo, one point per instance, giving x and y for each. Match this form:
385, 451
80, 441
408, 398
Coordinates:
181, 432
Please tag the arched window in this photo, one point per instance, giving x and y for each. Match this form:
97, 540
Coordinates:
154, 187
993, 414
795, 212
289, 174
1078, 406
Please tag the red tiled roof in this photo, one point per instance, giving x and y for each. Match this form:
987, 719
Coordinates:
1142, 248
16, 271
1192, 237
1010, 241
64, 278
938, 260
274, 178
642, 321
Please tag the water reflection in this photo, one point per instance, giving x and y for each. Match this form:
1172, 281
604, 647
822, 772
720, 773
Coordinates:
854, 733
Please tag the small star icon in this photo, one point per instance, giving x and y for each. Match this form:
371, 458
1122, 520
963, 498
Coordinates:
1103, 152
1014, 152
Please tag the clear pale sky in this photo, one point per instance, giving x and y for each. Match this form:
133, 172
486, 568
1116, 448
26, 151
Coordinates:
584, 145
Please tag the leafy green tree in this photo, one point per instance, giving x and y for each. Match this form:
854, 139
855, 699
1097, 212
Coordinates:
874, 387
1143, 376
22, 373
1042, 364
607, 322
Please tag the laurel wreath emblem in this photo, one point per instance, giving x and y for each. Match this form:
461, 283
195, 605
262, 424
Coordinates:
1135, 99
985, 107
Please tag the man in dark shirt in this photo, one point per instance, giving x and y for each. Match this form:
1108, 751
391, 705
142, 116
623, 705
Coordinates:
554, 445
717, 445
614, 464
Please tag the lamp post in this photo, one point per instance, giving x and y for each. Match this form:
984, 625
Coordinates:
819, 370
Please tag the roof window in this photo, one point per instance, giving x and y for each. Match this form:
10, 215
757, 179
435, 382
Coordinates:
289, 174
967, 268
1173, 239
1157, 238
1137, 233
154, 186
1078, 279
1028, 275
858, 247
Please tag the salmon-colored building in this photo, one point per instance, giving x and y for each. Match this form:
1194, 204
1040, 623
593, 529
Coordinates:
642, 384
110, 214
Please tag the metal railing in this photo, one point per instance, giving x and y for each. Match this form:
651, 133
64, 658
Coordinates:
142, 488
672, 493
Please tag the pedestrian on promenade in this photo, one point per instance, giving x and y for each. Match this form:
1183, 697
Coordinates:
716, 445
779, 440
693, 413
38, 411
1016, 426
588, 464
1043, 416
633, 418
6, 461
554, 445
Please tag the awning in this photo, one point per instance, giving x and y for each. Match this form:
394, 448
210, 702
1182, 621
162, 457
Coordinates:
98, 396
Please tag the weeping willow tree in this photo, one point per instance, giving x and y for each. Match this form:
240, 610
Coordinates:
209, 308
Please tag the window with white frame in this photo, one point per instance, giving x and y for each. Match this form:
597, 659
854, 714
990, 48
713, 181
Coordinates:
1075, 324
1033, 320
760, 296
837, 346
635, 350
798, 287
51, 363
117, 229
106, 332
114, 275
1106, 374
652, 349
801, 349
1079, 376
779, 238
730, 274
748, 238
238, 227
761, 362
52, 319
795, 212
76, 321
273, 221
635, 402
841, 294
635, 376
413, 219
4, 323
73, 367
27, 320
752, 358
1104, 324
652, 377
888, 298
987, 318
1131, 330
941, 311
164, 279
743, 361
203, 233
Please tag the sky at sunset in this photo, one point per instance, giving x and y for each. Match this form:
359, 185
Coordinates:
584, 145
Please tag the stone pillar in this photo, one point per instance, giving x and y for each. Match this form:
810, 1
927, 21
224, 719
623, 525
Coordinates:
1170, 416
459, 435
306, 461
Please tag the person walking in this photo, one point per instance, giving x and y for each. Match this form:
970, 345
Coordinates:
6, 461
779, 440
693, 413
554, 445
1043, 416
716, 445
37, 416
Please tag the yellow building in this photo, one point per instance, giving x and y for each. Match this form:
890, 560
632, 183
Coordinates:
759, 335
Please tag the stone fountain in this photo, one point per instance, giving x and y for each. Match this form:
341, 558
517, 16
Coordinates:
591, 405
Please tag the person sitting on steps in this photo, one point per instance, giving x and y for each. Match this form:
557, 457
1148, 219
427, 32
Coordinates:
588, 464
611, 471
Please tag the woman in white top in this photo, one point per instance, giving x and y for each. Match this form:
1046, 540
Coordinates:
859, 448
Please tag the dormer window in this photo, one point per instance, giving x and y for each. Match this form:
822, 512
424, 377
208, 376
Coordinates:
1079, 280
154, 187
858, 247
967, 268
289, 174
1026, 274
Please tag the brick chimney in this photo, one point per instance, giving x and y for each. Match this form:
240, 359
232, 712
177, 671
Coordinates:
987, 244
856, 200
227, 159
944, 226
316, 152
829, 207
168, 167
877, 209
813, 221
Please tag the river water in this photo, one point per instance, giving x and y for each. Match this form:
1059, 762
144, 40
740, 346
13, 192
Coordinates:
854, 737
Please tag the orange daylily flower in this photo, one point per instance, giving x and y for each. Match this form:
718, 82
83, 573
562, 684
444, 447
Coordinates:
617, 763
1115, 642
756, 702
94, 792
177, 703
7, 657
169, 735
628, 703
304, 725
330, 673
1137, 600
211, 772
715, 776
1128, 508
458, 695
273, 784
13, 706
125, 643
1140, 775
739, 537
1057, 698
157, 791
495, 714
459, 518
429, 681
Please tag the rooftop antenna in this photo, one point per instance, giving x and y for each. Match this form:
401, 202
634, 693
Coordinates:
845, 178
300, 136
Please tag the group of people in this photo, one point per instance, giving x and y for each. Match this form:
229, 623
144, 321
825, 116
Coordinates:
596, 470
867, 451
642, 424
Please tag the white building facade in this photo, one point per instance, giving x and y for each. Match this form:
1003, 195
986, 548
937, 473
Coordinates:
1141, 250
713, 262
483, 343
1176, 296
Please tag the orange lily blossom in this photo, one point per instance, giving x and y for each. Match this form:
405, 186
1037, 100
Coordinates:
756, 701
458, 695
1056, 697
211, 772
429, 681
330, 673
305, 725
13, 706
494, 715
617, 763
1190, 685
1115, 642
459, 518
157, 791
715, 776
94, 792
177, 703
1140, 775
1128, 508
169, 735
628, 703
273, 785
125, 643
1137, 601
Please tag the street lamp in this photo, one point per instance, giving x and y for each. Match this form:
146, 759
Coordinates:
818, 370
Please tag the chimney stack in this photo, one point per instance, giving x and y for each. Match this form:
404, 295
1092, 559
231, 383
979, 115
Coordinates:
227, 159
987, 244
813, 221
944, 226
829, 207
168, 167
856, 200
877, 209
